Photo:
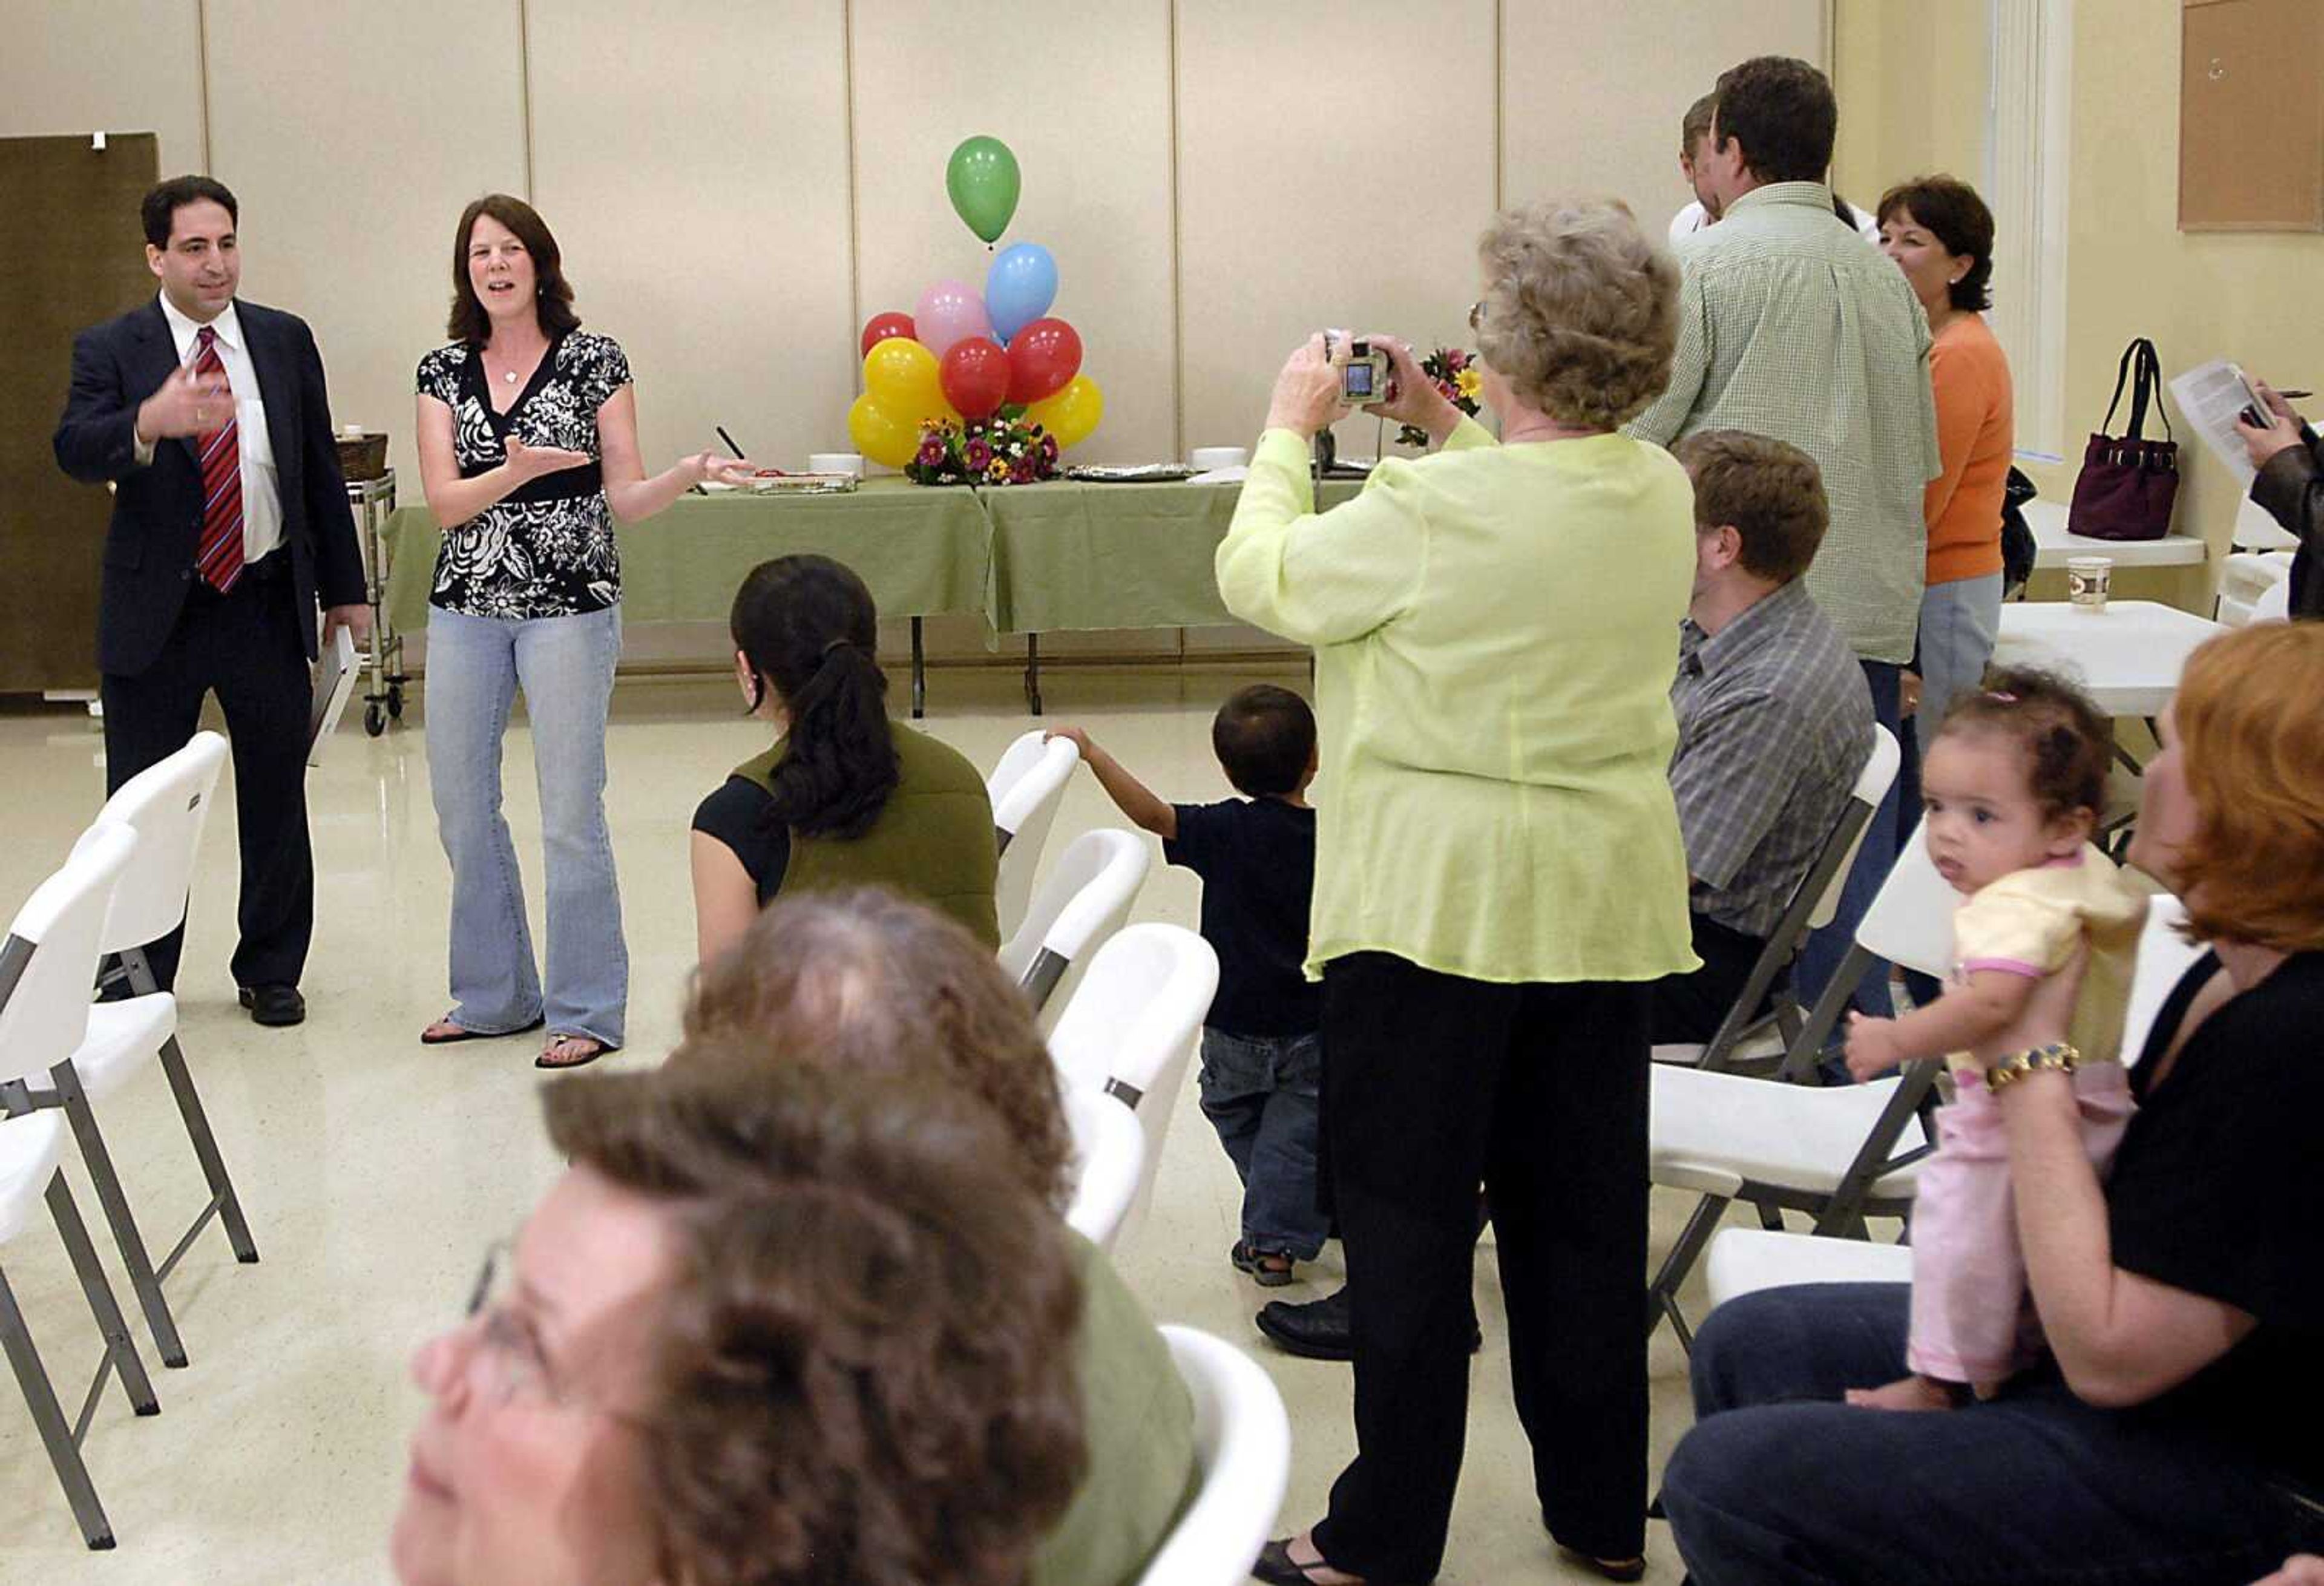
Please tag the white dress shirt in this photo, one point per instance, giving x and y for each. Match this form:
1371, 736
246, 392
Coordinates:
1694, 217
261, 499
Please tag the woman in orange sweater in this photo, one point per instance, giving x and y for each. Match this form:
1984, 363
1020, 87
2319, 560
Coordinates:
1940, 234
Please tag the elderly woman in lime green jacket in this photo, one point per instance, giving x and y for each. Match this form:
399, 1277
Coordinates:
1498, 874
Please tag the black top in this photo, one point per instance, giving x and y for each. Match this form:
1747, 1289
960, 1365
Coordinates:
2292, 488
1257, 859
735, 815
2217, 1189
547, 549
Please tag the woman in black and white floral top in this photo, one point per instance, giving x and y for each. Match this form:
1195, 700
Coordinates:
528, 455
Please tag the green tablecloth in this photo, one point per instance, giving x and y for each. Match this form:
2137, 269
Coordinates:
1031, 558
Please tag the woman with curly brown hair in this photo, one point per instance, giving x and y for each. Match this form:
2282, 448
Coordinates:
871, 983
775, 1324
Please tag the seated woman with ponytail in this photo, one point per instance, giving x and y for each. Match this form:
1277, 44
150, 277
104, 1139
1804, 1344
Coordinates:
846, 797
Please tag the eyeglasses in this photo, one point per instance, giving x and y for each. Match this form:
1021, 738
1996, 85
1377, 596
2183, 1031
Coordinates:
1477, 315
505, 1364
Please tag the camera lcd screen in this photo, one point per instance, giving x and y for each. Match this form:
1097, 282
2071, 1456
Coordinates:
1359, 379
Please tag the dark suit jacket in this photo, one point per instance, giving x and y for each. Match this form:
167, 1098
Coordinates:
157, 513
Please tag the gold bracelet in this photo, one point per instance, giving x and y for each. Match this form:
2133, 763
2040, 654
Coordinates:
2058, 1056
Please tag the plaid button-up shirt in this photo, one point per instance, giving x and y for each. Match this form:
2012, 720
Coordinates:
1775, 724
1791, 327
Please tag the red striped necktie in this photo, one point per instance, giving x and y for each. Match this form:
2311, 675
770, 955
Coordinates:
219, 557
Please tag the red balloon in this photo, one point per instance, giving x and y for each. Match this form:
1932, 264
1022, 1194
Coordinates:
1043, 359
975, 376
880, 327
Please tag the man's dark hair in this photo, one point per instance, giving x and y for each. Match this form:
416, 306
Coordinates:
1695, 125
162, 205
1264, 737
1783, 113
1768, 492
1950, 210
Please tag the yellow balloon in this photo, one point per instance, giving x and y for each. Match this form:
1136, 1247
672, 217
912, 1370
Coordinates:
1072, 414
902, 377
880, 436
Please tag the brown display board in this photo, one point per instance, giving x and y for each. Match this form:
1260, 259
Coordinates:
2251, 115
76, 256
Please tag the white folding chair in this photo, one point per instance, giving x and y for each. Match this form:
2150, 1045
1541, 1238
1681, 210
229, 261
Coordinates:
1085, 899
166, 805
1108, 1160
46, 965
1841, 1153
1025, 788
1131, 1029
1243, 1441
1743, 1260
1814, 901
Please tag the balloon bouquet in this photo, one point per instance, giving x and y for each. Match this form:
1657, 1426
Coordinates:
978, 389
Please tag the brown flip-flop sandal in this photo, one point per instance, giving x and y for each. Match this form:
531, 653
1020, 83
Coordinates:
462, 1033
597, 1049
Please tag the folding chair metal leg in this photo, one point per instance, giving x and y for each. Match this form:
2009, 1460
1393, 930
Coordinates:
1662, 1295
198, 1128
142, 1282
40, 1398
120, 1348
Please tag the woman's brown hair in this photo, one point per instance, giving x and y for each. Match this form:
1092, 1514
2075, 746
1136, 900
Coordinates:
863, 1366
554, 301
2246, 720
876, 984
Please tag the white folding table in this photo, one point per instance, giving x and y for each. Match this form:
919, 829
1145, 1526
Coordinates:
2129, 656
2052, 545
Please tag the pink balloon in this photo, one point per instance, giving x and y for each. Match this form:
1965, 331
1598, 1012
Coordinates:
950, 313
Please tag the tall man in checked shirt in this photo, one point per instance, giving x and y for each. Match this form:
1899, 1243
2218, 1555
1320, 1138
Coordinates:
1775, 722
1790, 327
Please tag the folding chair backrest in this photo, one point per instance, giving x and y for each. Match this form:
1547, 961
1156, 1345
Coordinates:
167, 804
2164, 956
1085, 899
1911, 921
1872, 785
1242, 1444
1109, 1160
1025, 788
47, 963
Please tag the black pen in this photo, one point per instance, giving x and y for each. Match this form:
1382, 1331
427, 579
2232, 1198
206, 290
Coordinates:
740, 455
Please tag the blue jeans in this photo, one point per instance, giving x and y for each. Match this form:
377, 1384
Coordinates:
1960, 622
1820, 956
565, 665
1260, 1092
1780, 1483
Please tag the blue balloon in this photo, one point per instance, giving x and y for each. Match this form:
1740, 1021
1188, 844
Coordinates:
1019, 288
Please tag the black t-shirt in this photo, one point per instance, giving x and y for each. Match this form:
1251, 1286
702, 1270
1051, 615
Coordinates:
2218, 1189
735, 815
1257, 859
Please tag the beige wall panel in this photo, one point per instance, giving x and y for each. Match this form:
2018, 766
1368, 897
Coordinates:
353, 133
692, 158
1594, 93
1083, 100
109, 65
1308, 195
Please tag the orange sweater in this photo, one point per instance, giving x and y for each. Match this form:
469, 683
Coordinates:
1976, 432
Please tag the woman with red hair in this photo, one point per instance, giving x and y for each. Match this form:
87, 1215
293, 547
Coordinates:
2172, 1435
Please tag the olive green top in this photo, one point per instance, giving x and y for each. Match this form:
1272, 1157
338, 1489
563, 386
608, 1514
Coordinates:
933, 840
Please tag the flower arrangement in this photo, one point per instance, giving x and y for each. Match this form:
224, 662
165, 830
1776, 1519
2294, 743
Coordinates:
1008, 448
1453, 373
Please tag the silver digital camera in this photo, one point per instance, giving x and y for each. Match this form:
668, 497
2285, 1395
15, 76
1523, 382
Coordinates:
1365, 376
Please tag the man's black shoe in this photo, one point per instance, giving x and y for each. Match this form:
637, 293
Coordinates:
274, 1005
1319, 1329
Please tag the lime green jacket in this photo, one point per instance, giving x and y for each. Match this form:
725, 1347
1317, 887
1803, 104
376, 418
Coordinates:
1496, 632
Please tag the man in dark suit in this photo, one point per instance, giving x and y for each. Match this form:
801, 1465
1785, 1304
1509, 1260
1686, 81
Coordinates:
230, 525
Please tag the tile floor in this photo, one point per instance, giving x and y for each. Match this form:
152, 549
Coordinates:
375, 1172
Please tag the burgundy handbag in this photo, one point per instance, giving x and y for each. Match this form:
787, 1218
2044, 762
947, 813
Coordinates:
2127, 486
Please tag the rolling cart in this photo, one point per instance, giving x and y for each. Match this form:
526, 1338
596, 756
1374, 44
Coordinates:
383, 674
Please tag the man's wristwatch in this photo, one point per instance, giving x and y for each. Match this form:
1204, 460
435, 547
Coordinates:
2057, 1056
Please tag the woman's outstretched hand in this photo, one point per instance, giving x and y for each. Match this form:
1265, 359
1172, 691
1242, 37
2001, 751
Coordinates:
1307, 391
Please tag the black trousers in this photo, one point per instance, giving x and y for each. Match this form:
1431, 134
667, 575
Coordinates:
246, 647
1433, 1085
1688, 1008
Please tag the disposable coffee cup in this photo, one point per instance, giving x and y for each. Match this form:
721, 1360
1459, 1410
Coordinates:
1207, 457
835, 462
2087, 580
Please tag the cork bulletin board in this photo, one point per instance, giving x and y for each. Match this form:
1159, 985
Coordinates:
2251, 115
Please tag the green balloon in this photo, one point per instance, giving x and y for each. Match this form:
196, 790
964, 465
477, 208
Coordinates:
982, 180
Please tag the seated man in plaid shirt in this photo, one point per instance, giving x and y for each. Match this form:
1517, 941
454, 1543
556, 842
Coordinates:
1775, 721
